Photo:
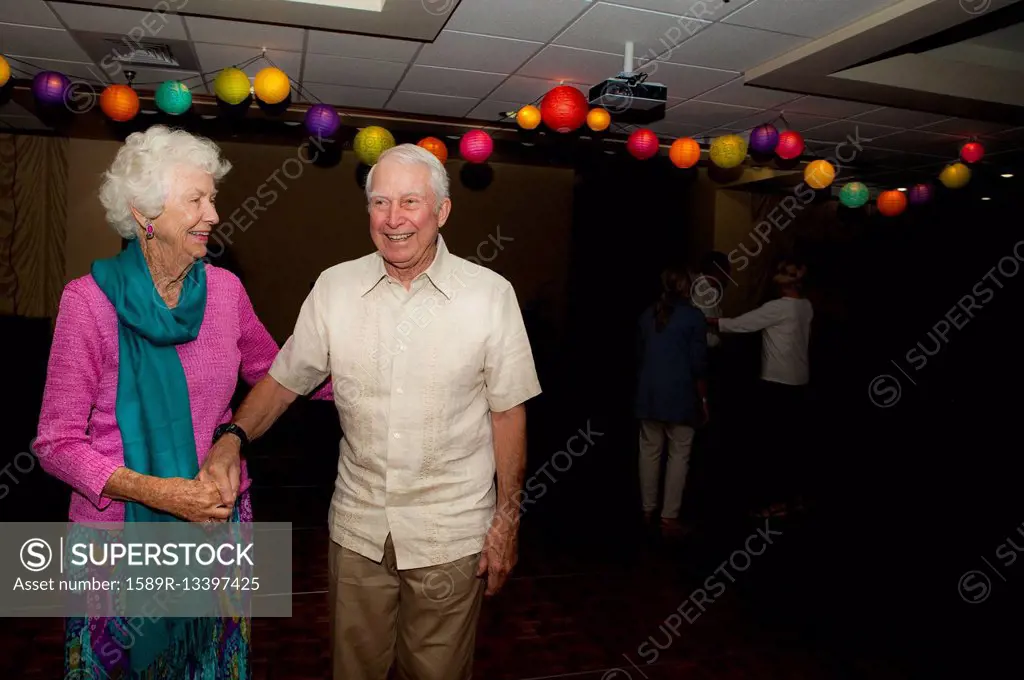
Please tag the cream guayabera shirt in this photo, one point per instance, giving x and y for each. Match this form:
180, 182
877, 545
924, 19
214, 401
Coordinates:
416, 375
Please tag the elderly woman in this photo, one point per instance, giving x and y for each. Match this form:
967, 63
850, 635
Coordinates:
145, 359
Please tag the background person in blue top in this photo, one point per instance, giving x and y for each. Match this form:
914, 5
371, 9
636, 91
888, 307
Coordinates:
671, 393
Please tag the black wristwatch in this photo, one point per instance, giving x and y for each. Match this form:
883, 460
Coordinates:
231, 428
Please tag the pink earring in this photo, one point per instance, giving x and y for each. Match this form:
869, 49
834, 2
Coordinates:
149, 230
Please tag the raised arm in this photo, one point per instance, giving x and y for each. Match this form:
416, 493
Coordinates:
758, 319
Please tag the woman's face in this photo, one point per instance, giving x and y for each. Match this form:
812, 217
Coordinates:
189, 214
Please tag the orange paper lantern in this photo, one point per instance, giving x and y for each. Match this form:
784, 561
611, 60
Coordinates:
436, 147
598, 119
891, 203
528, 117
684, 152
120, 103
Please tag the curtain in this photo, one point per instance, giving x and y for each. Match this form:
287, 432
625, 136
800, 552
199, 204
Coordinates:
33, 223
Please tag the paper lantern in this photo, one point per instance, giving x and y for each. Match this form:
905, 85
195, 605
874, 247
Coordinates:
564, 109
173, 97
371, 142
920, 194
436, 147
790, 146
476, 146
322, 120
119, 102
642, 144
528, 117
764, 138
5, 71
49, 87
272, 85
684, 152
972, 152
598, 119
232, 86
891, 203
955, 176
728, 151
819, 174
854, 195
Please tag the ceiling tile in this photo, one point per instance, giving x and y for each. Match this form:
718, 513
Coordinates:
30, 42
706, 114
736, 92
825, 106
966, 128
493, 109
685, 82
794, 121
670, 129
343, 96
851, 131
131, 23
526, 90
921, 142
216, 57
245, 34
362, 46
72, 69
431, 104
572, 65
705, 10
29, 13
449, 81
899, 118
321, 68
808, 18
486, 53
523, 19
150, 79
734, 48
652, 33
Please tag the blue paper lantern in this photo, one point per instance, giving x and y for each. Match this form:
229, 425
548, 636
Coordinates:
49, 87
173, 97
854, 195
764, 138
920, 194
322, 120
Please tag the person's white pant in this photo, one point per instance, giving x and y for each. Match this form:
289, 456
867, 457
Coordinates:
652, 441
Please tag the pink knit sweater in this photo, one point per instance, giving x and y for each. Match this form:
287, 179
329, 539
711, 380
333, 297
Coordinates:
79, 441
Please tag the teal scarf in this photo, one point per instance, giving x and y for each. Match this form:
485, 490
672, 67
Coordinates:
153, 410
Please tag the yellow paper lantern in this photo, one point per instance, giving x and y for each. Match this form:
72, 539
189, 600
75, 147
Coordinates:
371, 142
728, 151
232, 86
955, 176
528, 117
598, 119
272, 85
5, 71
819, 174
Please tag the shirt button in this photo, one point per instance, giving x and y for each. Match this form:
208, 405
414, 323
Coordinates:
398, 435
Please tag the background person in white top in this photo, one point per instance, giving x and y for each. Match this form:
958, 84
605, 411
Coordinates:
431, 367
785, 327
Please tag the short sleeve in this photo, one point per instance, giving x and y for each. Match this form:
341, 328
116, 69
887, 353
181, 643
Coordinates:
510, 375
304, 361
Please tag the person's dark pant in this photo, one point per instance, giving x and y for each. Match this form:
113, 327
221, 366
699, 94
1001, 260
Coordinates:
780, 445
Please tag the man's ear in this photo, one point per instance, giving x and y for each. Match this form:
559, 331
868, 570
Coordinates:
442, 214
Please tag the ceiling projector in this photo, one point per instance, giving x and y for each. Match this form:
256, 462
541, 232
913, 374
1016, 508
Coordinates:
628, 97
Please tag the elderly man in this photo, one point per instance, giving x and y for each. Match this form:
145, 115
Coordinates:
431, 367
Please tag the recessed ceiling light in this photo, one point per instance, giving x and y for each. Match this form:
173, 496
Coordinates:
985, 198
1007, 175
902, 189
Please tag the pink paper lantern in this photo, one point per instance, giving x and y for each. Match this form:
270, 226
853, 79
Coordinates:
642, 144
476, 146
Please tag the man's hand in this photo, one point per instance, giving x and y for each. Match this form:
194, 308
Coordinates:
499, 557
223, 467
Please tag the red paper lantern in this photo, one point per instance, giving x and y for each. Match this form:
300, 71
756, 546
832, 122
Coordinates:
564, 109
972, 152
642, 144
119, 102
790, 146
476, 146
891, 203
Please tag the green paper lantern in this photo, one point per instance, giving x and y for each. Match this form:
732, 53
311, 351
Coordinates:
854, 195
174, 97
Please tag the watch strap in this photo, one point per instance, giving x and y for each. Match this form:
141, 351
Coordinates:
231, 428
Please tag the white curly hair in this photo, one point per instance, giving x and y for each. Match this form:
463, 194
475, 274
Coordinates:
412, 154
140, 174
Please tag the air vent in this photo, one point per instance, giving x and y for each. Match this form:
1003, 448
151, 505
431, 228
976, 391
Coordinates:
142, 54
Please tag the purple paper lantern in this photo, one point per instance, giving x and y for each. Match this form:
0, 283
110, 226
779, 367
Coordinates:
920, 194
322, 120
764, 138
49, 87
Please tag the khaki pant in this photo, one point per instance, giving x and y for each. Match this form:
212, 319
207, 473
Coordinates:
680, 443
422, 620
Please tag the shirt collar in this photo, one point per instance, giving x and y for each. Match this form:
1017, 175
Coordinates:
439, 272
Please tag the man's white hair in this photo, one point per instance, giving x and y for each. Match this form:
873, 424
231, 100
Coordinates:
412, 154
141, 173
